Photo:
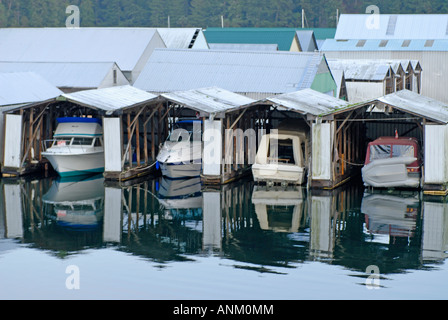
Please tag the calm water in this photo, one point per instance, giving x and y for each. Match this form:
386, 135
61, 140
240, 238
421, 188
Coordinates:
169, 240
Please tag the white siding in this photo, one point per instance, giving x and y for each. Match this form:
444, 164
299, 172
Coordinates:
363, 91
212, 154
112, 215
13, 141
112, 144
436, 154
321, 151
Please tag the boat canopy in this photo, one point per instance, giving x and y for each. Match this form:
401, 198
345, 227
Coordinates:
71, 127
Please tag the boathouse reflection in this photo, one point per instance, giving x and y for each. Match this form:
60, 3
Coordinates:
174, 220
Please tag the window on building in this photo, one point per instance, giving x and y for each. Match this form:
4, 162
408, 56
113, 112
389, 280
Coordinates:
406, 43
383, 43
361, 43
429, 43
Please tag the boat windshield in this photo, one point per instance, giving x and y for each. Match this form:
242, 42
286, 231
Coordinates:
186, 130
282, 151
82, 141
381, 151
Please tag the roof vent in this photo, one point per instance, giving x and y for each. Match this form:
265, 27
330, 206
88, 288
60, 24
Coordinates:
391, 25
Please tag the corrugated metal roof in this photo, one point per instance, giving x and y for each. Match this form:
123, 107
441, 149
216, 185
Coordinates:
111, 99
307, 40
210, 100
410, 102
392, 45
361, 69
308, 101
238, 71
244, 46
179, 38
124, 46
25, 87
392, 26
64, 74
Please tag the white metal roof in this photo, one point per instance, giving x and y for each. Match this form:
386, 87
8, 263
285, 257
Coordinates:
65, 74
244, 46
111, 99
361, 69
25, 87
170, 70
392, 26
211, 100
125, 46
409, 102
307, 101
183, 38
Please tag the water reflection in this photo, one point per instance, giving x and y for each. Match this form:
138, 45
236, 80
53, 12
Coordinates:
257, 228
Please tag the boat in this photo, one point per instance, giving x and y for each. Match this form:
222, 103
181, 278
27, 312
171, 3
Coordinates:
77, 147
392, 162
281, 158
181, 155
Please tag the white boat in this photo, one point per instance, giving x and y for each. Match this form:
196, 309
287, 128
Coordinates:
279, 209
77, 148
76, 202
392, 163
181, 154
281, 158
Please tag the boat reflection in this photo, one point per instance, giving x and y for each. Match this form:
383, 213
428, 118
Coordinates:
390, 214
279, 209
76, 202
259, 229
181, 197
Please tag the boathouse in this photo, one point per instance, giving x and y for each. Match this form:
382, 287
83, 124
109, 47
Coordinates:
227, 116
340, 137
19, 89
420, 37
129, 48
131, 127
366, 79
256, 75
72, 76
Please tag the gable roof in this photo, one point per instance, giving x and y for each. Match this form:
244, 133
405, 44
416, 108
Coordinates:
410, 102
65, 74
307, 40
183, 38
125, 46
362, 69
212, 100
392, 26
237, 71
308, 101
25, 87
111, 99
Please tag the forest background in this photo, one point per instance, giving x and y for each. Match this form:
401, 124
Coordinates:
200, 13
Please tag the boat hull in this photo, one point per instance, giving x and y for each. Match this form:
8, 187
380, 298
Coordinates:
390, 173
181, 170
76, 164
278, 173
